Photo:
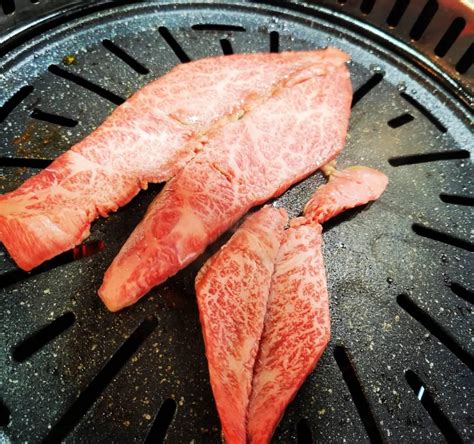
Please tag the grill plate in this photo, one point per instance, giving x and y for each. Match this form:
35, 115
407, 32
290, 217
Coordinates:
93, 383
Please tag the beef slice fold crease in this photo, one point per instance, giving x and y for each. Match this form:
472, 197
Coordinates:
149, 138
266, 324
243, 163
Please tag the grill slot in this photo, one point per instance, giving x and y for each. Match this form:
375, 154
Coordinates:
439, 236
425, 397
424, 111
162, 421
14, 101
371, 253
456, 199
125, 57
397, 12
304, 435
366, 6
14, 162
413, 159
424, 19
173, 44
42, 337
8, 6
366, 88
85, 400
78, 80
217, 27
87, 249
226, 47
462, 292
436, 329
358, 396
53, 118
465, 62
451, 35
401, 120
274, 41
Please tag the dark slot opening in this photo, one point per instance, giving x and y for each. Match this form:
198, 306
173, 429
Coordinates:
274, 41
17, 275
81, 81
8, 6
466, 60
457, 200
87, 398
412, 159
357, 393
366, 88
462, 292
435, 328
366, 6
45, 335
424, 19
53, 118
424, 395
173, 44
87, 249
226, 47
344, 217
397, 12
401, 120
304, 434
424, 111
23, 162
450, 36
162, 421
4, 414
217, 27
439, 236
14, 101
125, 57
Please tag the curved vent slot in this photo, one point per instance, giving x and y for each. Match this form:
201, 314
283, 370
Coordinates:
8, 6
304, 434
465, 62
42, 337
4, 414
92, 392
450, 37
358, 396
436, 329
14, 101
424, 395
162, 422
397, 12
424, 19
366, 6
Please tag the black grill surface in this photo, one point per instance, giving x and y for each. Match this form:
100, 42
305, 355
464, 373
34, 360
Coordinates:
398, 368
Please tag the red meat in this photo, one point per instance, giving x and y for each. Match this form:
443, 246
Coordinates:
232, 290
147, 139
277, 143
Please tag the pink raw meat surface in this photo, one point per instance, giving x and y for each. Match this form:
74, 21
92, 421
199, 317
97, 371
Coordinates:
245, 163
147, 139
296, 331
232, 290
346, 189
297, 323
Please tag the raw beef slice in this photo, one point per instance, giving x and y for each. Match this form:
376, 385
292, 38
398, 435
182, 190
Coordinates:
245, 163
232, 290
296, 332
147, 139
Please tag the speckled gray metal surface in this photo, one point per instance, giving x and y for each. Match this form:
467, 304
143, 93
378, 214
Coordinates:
92, 383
